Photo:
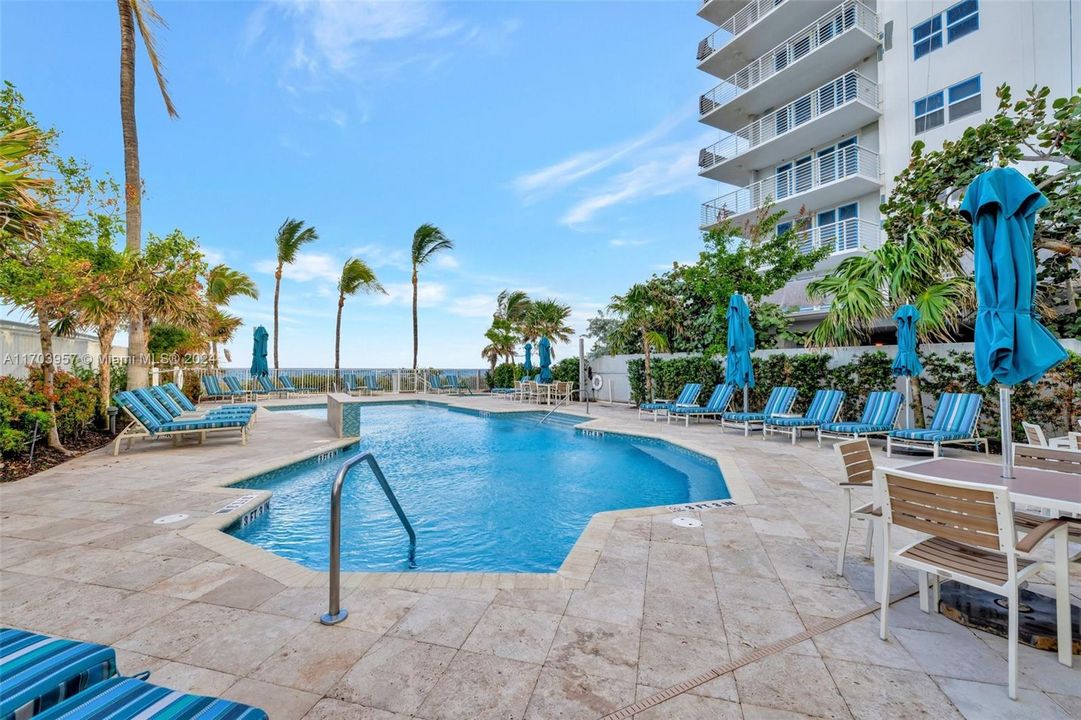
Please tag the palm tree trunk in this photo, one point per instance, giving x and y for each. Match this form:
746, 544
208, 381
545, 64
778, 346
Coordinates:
338, 344
277, 290
415, 334
917, 404
48, 370
649, 372
105, 368
133, 188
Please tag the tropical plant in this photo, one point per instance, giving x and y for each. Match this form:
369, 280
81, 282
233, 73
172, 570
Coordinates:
644, 309
223, 283
103, 304
141, 14
292, 235
356, 277
501, 343
428, 241
547, 319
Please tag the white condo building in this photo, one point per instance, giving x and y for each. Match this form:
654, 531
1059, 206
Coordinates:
818, 102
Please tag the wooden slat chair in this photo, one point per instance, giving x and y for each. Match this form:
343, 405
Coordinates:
972, 541
1059, 460
859, 469
1034, 434
954, 423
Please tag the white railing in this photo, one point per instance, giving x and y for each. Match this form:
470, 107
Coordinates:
841, 236
839, 20
850, 87
324, 380
747, 16
818, 171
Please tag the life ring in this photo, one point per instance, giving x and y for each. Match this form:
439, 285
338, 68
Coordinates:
598, 382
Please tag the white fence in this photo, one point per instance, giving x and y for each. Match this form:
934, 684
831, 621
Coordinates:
20, 348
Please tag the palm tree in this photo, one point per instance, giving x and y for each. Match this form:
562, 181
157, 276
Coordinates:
142, 14
511, 308
292, 235
644, 308
103, 305
356, 276
427, 241
547, 318
501, 343
223, 283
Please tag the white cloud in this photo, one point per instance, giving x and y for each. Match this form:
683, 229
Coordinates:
378, 256
477, 306
428, 294
624, 242
307, 267
212, 256
447, 261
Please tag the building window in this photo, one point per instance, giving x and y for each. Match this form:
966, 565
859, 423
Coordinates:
964, 98
927, 37
930, 112
961, 19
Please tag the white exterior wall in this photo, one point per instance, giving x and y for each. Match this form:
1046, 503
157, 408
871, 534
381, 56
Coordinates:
20, 346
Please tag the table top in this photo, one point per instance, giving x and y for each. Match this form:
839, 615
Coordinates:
1047, 488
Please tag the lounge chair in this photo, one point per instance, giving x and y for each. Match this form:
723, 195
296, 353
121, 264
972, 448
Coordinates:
268, 387
122, 698
972, 541
38, 671
780, 401
688, 397
253, 392
372, 384
435, 385
178, 396
859, 467
213, 387
879, 415
825, 407
451, 384
165, 410
146, 424
954, 423
287, 385
714, 407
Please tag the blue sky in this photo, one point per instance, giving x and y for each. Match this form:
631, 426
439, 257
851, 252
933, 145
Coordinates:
555, 142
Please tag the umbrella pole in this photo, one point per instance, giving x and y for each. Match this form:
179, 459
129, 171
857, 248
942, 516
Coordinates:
1007, 431
745, 399
908, 401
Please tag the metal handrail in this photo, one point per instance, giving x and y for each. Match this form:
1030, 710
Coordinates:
336, 612
566, 398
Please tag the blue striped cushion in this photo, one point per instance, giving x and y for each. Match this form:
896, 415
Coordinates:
744, 416
181, 399
718, 401
927, 435
203, 424
152, 405
37, 671
165, 400
654, 406
129, 402
792, 422
234, 386
881, 408
213, 386
957, 412
780, 400
264, 383
824, 408
854, 428
689, 394
695, 410
126, 698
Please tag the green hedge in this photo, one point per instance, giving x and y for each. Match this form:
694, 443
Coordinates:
1055, 403
23, 402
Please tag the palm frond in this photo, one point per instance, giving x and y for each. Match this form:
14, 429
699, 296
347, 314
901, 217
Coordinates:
292, 235
427, 241
357, 276
145, 16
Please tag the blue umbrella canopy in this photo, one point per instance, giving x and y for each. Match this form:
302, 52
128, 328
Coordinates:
1012, 346
907, 363
527, 366
738, 370
545, 360
258, 352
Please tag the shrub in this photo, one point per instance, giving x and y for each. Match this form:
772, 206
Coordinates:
20, 408
671, 374
504, 375
566, 370
76, 401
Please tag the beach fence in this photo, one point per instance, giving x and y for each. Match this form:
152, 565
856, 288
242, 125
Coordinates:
326, 380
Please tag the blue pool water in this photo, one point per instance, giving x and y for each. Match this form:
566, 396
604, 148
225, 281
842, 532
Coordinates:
492, 494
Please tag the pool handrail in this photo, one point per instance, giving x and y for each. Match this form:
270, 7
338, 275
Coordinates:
336, 613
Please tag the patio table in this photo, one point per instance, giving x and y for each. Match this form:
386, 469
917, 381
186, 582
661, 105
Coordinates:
1059, 492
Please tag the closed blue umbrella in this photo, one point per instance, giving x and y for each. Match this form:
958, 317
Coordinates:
545, 360
738, 370
907, 363
527, 366
1012, 346
258, 353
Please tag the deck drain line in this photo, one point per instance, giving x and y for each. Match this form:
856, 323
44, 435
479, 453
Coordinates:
759, 654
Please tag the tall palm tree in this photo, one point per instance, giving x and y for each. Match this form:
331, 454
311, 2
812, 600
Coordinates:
547, 318
292, 235
644, 309
511, 309
356, 277
427, 241
141, 14
223, 283
501, 343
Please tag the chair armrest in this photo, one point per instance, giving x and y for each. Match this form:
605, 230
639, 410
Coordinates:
852, 484
1037, 535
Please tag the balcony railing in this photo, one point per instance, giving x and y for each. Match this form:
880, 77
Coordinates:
746, 17
841, 236
841, 19
804, 176
850, 87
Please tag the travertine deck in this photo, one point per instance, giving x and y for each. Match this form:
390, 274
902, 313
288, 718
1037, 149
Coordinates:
654, 605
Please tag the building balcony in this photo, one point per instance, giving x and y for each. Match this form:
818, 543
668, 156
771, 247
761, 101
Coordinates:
717, 11
841, 237
842, 105
753, 30
835, 41
826, 180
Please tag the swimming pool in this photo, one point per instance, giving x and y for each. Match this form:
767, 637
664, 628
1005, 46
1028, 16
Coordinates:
500, 493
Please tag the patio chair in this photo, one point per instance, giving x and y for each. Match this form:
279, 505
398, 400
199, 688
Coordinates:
972, 541
232, 389
859, 469
879, 416
158, 402
123, 697
178, 396
39, 671
268, 387
145, 424
233, 383
435, 385
212, 388
289, 388
954, 423
780, 401
825, 407
714, 407
372, 384
1034, 435
688, 397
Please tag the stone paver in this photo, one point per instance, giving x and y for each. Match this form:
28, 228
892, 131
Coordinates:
641, 604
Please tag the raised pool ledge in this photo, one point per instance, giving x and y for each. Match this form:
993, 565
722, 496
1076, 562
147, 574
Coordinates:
343, 414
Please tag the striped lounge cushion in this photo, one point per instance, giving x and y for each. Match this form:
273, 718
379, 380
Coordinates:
929, 435
854, 428
792, 421
38, 671
655, 406
744, 416
208, 424
695, 410
124, 698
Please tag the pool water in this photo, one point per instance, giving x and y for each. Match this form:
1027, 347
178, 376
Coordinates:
485, 494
